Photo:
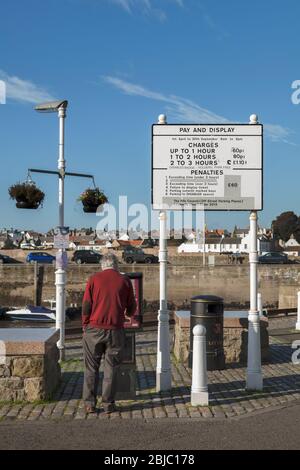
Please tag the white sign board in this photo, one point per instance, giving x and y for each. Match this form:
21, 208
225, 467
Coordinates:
216, 166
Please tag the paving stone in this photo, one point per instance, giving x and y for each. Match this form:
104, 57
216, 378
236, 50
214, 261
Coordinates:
206, 412
14, 411
47, 411
137, 414
218, 412
92, 416
126, 415
195, 412
80, 415
182, 411
148, 413
229, 412
4, 410
239, 410
159, 412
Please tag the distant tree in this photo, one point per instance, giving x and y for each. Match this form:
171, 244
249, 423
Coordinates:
38, 242
9, 244
286, 225
172, 241
296, 232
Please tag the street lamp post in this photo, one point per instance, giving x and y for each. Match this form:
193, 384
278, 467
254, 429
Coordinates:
60, 273
254, 379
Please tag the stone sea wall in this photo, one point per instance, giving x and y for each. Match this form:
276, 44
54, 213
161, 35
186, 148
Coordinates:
229, 282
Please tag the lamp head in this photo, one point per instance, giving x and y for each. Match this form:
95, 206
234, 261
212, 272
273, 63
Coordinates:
51, 106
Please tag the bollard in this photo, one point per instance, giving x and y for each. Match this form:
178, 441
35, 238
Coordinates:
298, 313
199, 392
259, 304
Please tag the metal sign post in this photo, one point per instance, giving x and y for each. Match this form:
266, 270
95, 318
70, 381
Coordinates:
163, 365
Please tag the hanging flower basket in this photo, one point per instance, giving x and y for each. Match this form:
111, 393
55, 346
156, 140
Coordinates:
92, 199
27, 195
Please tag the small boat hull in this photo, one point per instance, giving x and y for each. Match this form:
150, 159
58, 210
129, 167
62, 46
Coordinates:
32, 313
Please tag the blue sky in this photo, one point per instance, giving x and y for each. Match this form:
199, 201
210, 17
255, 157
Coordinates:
121, 63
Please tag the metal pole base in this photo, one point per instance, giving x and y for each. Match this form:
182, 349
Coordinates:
254, 381
62, 354
199, 399
163, 381
163, 367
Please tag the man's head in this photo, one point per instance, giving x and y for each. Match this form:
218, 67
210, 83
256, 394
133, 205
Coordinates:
109, 261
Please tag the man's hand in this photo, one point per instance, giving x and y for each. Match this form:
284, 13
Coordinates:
129, 313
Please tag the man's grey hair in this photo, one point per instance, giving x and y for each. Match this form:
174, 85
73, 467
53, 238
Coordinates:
109, 261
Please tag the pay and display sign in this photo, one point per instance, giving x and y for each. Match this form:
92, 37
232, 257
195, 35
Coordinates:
216, 166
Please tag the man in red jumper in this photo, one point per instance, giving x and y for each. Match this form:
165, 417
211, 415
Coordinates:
108, 297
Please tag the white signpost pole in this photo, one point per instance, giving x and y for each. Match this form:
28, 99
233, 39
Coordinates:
254, 373
163, 366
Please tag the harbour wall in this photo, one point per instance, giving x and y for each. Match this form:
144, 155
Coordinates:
278, 284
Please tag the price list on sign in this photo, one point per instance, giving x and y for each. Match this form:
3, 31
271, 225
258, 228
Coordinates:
215, 166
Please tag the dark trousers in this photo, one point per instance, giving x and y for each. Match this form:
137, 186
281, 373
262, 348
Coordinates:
97, 342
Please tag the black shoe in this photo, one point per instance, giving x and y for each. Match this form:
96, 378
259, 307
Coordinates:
90, 409
109, 408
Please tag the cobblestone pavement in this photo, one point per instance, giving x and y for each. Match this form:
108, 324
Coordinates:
228, 398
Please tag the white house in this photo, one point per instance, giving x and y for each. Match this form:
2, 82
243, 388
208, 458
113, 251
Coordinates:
291, 243
240, 232
3, 239
228, 245
48, 242
212, 245
291, 247
190, 247
86, 244
124, 237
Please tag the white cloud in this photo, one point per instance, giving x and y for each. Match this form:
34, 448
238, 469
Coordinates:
128, 5
179, 108
23, 90
278, 133
211, 24
147, 7
133, 89
182, 109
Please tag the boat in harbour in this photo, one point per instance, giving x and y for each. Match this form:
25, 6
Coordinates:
31, 313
